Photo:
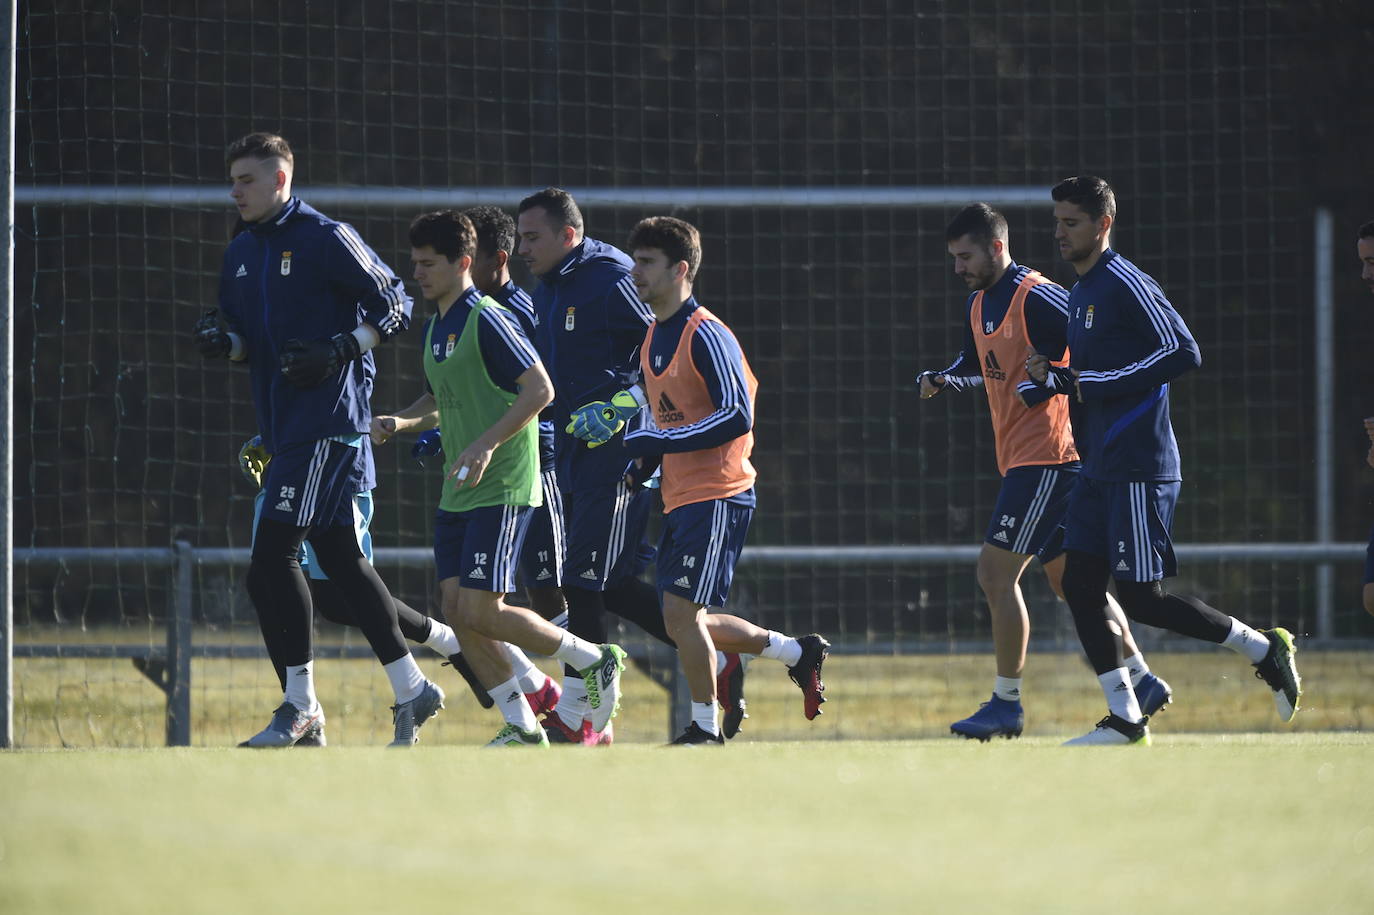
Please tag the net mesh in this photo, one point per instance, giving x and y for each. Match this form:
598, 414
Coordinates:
125, 438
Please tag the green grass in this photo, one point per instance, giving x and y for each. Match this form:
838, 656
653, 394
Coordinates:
106, 703
1252, 823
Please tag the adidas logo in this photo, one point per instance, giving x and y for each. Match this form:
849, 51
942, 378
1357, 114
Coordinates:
243, 271
512, 697
589, 574
543, 574
667, 410
991, 368
683, 582
1121, 566
1121, 688
284, 505
1000, 536
477, 573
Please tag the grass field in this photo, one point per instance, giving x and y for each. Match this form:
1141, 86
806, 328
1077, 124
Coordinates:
103, 703
1249, 823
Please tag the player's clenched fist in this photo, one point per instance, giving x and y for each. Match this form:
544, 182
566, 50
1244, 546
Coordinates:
930, 383
211, 339
382, 428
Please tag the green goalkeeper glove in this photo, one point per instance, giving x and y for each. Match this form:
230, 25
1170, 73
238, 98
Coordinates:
253, 460
597, 422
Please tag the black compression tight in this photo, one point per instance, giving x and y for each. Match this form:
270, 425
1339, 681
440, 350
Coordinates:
333, 606
1085, 588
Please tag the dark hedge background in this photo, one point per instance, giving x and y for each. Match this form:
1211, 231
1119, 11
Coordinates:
1222, 126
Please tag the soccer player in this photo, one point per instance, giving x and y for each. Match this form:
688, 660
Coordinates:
1126, 343
306, 300
324, 594
700, 426
590, 324
488, 385
541, 556
1013, 307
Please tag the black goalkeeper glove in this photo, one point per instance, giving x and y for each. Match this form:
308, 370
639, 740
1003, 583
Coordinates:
211, 339
312, 362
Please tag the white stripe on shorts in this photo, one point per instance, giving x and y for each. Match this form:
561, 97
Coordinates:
710, 563
616, 541
306, 512
553, 504
1036, 510
1140, 530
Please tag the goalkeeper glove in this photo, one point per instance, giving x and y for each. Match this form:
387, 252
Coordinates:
427, 445
309, 363
1062, 380
211, 339
253, 460
596, 422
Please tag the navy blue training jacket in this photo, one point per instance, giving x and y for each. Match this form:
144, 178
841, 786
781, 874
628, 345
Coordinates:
1127, 343
303, 275
591, 324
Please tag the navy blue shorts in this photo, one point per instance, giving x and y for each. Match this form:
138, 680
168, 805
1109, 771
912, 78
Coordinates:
546, 548
605, 528
1030, 508
1125, 523
312, 485
479, 546
1369, 560
700, 545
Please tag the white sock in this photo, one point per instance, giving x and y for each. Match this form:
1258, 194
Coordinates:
1137, 667
704, 714
1007, 688
782, 648
572, 705
527, 675
1116, 686
579, 654
442, 639
561, 620
1244, 640
406, 679
300, 686
510, 699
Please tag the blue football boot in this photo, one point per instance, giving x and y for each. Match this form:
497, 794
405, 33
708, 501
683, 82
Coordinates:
1153, 694
995, 717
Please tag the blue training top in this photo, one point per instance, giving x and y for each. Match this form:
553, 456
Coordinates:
1127, 343
591, 324
302, 275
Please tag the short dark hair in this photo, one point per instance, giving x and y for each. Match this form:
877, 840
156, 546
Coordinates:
1091, 194
560, 206
679, 240
495, 229
980, 222
1367, 230
260, 146
448, 232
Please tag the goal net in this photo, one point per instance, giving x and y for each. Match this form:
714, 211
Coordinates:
820, 148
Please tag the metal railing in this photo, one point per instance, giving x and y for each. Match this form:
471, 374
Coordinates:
169, 666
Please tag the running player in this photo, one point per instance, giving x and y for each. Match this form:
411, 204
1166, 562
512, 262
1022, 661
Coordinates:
590, 324
487, 384
701, 428
541, 557
306, 300
1013, 307
1126, 343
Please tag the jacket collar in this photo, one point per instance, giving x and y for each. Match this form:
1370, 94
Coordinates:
291, 208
